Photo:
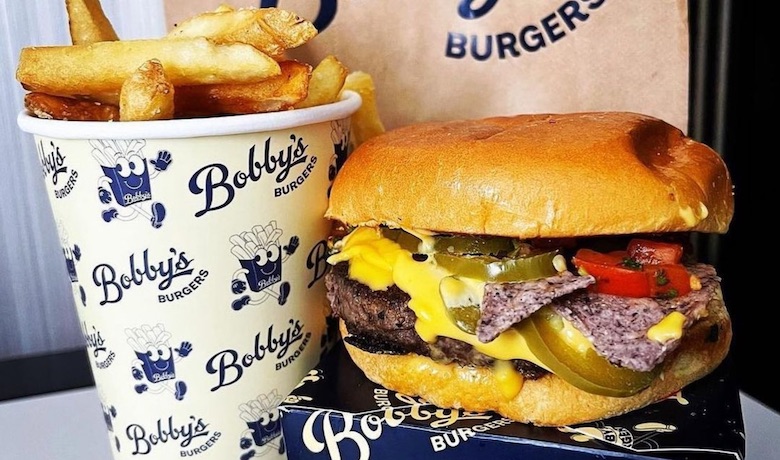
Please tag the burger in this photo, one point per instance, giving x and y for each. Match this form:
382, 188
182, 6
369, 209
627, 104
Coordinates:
539, 266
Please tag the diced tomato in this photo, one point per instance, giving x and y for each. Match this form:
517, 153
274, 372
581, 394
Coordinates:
595, 257
667, 280
611, 276
654, 252
618, 273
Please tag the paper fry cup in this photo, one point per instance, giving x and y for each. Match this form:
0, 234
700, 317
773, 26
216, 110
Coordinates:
196, 250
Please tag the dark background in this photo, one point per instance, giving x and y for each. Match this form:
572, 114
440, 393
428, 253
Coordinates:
726, 113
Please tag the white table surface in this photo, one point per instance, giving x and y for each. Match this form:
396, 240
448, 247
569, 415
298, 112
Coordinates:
69, 425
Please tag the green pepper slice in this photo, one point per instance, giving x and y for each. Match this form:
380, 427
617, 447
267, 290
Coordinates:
585, 370
461, 300
404, 239
494, 269
476, 244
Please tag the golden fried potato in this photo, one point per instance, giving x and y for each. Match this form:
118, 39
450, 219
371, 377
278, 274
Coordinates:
224, 8
326, 82
270, 30
273, 94
44, 105
366, 122
88, 23
98, 70
146, 94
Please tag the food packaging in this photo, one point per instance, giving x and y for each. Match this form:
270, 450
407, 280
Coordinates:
335, 412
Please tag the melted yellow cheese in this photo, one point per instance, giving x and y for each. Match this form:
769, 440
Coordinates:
574, 338
379, 262
371, 257
691, 217
669, 328
510, 382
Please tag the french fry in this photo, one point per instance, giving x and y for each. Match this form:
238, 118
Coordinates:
227, 61
146, 94
224, 8
366, 122
270, 30
281, 92
61, 108
88, 23
98, 70
326, 82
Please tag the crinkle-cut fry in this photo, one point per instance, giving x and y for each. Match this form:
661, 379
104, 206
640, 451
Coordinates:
147, 94
271, 30
270, 95
327, 79
44, 105
99, 69
88, 23
365, 122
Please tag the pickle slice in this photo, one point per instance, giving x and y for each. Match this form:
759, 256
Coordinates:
488, 268
585, 370
462, 299
477, 244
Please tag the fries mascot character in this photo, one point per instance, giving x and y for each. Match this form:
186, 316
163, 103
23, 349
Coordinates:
127, 180
72, 255
264, 430
155, 366
339, 134
261, 257
109, 414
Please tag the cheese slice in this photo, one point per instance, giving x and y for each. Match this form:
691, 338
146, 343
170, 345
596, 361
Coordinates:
379, 263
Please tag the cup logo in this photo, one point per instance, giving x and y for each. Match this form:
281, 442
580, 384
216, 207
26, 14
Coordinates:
72, 254
154, 367
264, 429
127, 180
109, 414
219, 185
340, 136
53, 164
142, 268
96, 344
285, 345
193, 436
260, 255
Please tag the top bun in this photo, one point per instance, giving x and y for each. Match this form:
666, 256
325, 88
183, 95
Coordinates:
528, 176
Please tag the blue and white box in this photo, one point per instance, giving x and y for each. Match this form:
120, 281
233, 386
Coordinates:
337, 413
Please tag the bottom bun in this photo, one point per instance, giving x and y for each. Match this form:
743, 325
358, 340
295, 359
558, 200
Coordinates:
548, 401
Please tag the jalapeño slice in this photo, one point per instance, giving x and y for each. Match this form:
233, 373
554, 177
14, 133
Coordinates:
462, 298
477, 244
585, 370
488, 268
404, 239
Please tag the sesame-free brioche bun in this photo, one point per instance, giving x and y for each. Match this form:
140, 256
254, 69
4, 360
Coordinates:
528, 176
548, 401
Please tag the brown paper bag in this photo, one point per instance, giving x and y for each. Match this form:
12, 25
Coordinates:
447, 59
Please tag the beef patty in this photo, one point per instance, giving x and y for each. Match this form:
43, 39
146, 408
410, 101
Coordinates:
382, 322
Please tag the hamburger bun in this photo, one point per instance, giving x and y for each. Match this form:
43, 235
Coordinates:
530, 176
